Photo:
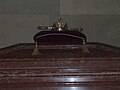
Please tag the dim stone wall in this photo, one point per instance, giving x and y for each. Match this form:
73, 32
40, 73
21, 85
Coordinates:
99, 18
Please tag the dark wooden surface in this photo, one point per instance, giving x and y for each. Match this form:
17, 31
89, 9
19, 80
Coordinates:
60, 67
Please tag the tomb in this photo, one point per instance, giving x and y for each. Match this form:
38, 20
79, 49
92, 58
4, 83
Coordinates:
60, 65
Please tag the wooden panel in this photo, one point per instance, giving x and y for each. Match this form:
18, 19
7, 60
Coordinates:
60, 67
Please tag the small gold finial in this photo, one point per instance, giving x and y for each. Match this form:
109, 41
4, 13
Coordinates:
60, 24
